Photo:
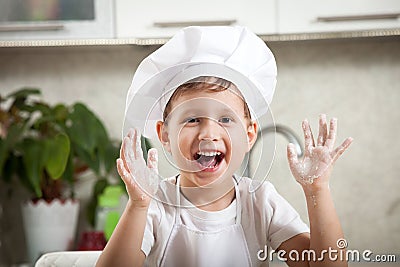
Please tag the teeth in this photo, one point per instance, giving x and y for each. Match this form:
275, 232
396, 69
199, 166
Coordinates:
208, 154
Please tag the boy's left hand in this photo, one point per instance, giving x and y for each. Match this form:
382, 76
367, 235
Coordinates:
313, 171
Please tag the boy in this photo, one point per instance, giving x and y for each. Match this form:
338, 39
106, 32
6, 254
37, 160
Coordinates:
201, 94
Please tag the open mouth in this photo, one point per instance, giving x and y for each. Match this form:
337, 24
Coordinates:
209, 159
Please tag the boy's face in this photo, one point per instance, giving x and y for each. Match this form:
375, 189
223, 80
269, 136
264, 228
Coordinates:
207, 134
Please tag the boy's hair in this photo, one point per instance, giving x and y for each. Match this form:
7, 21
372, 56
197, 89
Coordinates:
205, 83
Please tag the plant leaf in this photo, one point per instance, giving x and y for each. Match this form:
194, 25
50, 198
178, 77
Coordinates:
110, 156
91, 160
24, 92
58, 149
89, 137
68, 174
33, 162
20, 99
82, 130
14, 133
60, 112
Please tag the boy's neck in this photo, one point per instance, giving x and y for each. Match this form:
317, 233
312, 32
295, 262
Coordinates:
221, 203
215, 198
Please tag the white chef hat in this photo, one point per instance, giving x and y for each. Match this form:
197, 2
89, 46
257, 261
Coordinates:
230, 52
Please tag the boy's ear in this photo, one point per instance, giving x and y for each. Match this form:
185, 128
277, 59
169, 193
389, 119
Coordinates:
163, 135
252, 134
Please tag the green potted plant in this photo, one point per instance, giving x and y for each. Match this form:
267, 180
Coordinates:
46, 147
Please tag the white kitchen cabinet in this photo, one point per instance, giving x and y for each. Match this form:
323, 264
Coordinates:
310, 16
160, 18
52, 20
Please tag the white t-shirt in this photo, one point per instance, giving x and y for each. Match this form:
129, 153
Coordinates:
267, 220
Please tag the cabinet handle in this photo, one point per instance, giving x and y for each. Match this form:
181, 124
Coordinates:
358, 17
31, 27
173, 24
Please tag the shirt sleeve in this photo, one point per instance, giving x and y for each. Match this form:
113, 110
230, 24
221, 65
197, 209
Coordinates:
152, 223
285, 222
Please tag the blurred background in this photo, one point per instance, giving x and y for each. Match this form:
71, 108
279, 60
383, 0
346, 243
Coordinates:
336, 59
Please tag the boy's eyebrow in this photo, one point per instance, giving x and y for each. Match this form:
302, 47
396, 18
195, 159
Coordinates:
204, 112
229, 110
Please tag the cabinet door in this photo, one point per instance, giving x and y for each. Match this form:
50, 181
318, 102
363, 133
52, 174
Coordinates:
337, 15
62, 19
160, 18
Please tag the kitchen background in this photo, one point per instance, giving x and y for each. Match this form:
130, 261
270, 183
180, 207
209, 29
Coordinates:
356, 80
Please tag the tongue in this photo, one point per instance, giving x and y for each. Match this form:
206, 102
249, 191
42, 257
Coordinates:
207, 161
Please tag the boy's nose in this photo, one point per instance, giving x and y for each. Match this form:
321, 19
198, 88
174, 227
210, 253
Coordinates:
210, 130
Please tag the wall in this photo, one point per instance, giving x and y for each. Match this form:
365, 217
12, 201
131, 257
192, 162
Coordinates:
356, 81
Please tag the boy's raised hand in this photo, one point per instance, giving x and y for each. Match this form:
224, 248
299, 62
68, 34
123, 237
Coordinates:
316, 166
141, 180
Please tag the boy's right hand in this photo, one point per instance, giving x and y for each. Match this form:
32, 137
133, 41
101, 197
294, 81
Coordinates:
141, 180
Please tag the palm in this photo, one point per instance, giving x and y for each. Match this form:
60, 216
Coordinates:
141, 179
318, 157
313, 165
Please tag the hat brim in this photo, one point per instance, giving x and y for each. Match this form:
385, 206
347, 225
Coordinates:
144, 106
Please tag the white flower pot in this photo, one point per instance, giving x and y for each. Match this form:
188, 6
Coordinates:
49, 226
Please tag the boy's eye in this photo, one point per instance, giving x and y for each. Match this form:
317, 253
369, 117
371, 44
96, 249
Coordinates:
225, 120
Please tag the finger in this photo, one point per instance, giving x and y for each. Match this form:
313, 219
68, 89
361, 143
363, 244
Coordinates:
128, 136
323, 130
128, 153
128, 179
131, 137
122, 171
330, 142
292, 156
311, 134
308, 138
152, 159
340, 149
122, 152
137, 147
131, 132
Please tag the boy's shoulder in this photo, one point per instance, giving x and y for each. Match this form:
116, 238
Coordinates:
255, 188
260, 194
